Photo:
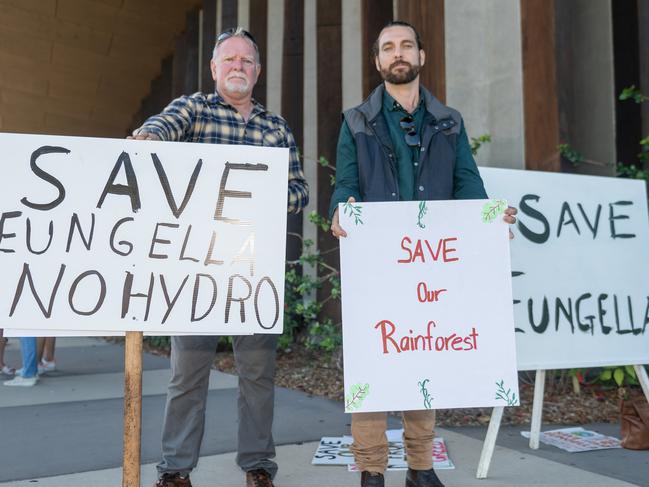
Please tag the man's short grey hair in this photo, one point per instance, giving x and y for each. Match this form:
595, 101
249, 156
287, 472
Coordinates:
236, 32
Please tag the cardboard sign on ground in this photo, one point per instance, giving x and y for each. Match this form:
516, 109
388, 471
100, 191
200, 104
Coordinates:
336, 451
577, 439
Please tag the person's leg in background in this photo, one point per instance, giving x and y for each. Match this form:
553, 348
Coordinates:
46, 362
4, 368
29, 375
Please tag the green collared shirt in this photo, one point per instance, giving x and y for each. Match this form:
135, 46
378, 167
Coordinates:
466, 178
407, 156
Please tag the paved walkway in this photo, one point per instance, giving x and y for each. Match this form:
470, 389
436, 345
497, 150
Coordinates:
67, 432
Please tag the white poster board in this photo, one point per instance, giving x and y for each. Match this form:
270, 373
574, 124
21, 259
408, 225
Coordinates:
580, 263
426, 306
123, 235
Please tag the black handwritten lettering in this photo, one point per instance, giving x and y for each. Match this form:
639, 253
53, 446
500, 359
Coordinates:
100, 299
527, 210
3, 218
128, 245
613, 217
229, 193
170, 302
27, 275
155, 240
162, 175
566, 212
584, 326
130, 189
127, 294
74, 223
195, 296
45, 176
28, 237
545, 316
276, 301
241, 300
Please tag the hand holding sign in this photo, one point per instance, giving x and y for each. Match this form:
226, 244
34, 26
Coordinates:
336, 229
427, 306
105, 234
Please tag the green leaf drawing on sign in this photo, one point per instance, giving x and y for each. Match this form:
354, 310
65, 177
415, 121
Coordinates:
492, 209
505, 395
422, 211
355, 211
428, 399
357, 393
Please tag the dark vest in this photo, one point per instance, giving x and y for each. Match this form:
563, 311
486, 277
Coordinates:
377, 169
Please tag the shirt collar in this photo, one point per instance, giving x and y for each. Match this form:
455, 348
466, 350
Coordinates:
215, 99
393, 105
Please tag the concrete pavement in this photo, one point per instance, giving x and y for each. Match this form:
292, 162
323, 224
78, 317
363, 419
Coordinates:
67, 431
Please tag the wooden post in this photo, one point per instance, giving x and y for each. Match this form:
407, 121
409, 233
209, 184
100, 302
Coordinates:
537, 409
490, 442
132, 409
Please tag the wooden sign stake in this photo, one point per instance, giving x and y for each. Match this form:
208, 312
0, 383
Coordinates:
132, 409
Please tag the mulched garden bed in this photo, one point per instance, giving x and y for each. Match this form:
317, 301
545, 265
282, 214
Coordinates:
318, 374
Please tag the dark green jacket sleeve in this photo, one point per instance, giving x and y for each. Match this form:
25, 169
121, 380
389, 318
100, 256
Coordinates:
346, 170
467, 183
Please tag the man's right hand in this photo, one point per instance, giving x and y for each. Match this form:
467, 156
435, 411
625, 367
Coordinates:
142, 135
336, 229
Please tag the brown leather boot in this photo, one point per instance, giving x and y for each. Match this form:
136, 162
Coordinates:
370, 479
258, 478
422, 478
173, 480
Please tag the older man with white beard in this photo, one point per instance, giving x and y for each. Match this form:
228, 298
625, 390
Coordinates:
228, 116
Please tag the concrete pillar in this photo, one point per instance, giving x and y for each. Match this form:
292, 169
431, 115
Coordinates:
310, 132
243, 14
274, 55
586, 81
352, 28
484, 75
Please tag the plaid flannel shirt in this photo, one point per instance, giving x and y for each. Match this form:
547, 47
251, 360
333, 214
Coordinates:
209, 119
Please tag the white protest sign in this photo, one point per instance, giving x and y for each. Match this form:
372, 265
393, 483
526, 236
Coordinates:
426, 306
124, 235
580, 263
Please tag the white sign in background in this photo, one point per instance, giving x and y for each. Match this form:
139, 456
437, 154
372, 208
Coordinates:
224, 245
581, 268
427, 306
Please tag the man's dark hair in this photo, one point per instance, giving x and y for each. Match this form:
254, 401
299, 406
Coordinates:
402, 23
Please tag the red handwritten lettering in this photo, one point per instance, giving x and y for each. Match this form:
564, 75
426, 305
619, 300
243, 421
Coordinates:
434, 252
410, 342
426, 296
409, 259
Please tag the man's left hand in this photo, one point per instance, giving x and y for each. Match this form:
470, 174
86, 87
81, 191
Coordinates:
510, 218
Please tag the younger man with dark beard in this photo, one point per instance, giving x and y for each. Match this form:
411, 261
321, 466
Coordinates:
401, 144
